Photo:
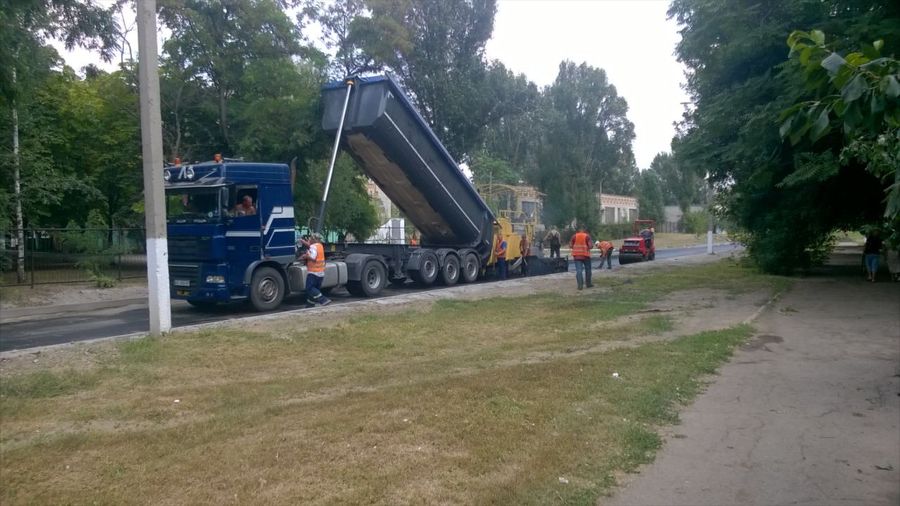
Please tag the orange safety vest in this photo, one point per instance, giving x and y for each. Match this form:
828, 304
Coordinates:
605, 246
580, 246
317, 265
501, 249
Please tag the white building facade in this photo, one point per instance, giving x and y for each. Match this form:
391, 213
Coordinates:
617, 209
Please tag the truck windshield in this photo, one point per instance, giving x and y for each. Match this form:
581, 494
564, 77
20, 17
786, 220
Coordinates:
193, 205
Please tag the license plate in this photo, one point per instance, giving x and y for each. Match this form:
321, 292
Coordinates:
182, 293
182, 282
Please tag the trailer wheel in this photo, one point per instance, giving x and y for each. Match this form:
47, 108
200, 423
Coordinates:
470, 267
450, 270
373, 278
428, 269
266, 289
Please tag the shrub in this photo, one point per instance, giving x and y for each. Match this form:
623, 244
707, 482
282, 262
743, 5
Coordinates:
695, 222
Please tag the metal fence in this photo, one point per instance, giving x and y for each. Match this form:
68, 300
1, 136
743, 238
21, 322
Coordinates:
66, 255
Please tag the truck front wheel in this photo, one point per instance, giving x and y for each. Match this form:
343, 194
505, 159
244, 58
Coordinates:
266, 289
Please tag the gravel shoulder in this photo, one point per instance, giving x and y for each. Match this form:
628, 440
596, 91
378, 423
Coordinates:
70, 293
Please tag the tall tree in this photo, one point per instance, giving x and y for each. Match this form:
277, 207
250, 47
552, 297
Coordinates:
680, 186
513, 123
650, 196
102, 121
24, 28
436, 49
341, 38
735, 53
238, 81
217, 40
585, 146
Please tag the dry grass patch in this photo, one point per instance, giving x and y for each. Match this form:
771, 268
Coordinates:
463, 402
678, 240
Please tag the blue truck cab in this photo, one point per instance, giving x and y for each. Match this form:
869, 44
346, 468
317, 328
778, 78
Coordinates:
221, 250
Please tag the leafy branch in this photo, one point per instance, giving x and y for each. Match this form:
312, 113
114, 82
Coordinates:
858, 95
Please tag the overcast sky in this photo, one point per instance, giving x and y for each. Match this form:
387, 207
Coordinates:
631, 39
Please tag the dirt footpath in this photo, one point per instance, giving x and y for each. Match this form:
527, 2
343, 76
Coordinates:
807, 413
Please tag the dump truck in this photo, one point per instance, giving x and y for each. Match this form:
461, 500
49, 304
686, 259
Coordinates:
218, 255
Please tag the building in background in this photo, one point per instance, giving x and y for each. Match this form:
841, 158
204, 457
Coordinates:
617, 209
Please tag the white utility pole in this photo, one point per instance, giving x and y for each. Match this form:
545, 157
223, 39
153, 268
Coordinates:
709, 229
154, 196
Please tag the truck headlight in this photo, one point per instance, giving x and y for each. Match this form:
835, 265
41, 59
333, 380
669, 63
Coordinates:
216, 279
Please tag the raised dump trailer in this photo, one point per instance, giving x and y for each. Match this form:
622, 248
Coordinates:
395, 147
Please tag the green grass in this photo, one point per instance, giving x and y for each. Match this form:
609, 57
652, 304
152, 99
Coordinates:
468, 402
46, 384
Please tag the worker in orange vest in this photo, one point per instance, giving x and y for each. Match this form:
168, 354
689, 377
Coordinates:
581, 252
500, 252
315, 269
606, 250
524, 251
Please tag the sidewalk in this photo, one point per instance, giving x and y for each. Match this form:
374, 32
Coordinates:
807, 413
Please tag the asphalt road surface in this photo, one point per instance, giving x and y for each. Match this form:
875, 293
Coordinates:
56, 329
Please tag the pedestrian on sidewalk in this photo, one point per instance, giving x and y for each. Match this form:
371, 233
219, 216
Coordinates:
581, 252
606, 251
872, 253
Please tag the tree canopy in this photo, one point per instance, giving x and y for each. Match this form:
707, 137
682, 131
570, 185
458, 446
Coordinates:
585, 144
741, 82
242, 78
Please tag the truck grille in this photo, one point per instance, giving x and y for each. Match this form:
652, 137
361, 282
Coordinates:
180, 274
189, 247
